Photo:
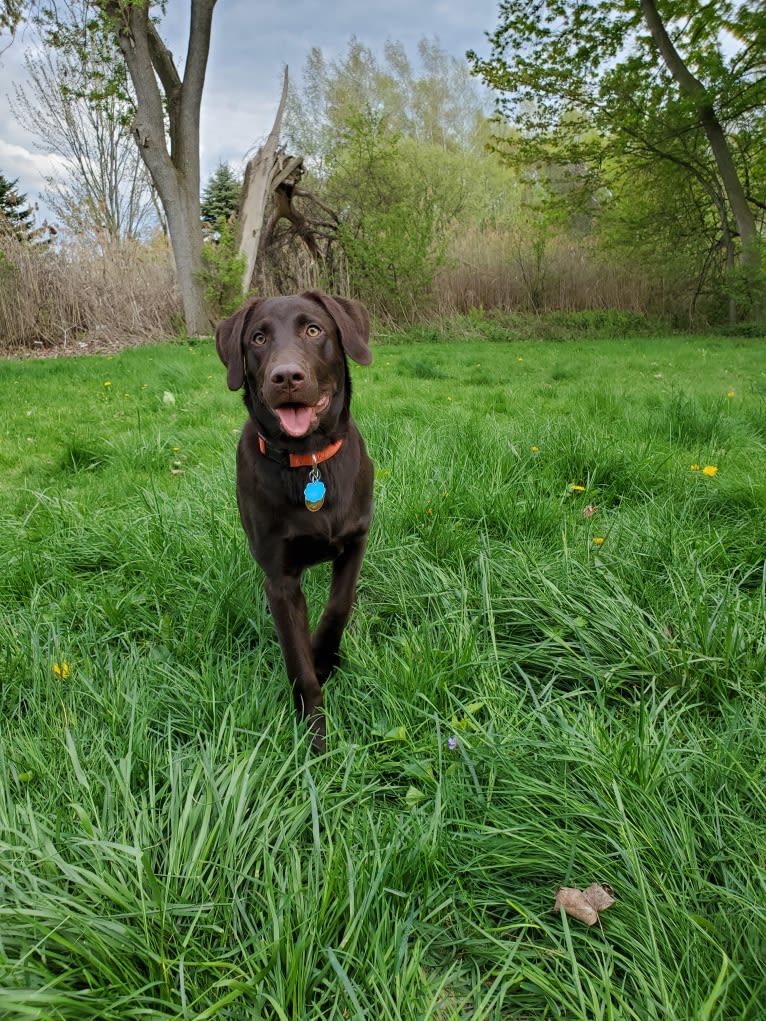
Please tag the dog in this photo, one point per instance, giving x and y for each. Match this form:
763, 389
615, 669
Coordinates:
304, 479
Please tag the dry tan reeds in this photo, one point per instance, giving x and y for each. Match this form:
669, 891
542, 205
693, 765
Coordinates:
75, 298
511, 271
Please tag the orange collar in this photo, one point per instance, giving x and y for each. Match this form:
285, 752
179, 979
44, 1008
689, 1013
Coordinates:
298, 460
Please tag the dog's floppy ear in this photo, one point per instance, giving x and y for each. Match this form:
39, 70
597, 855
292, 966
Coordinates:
352, 321
228, 343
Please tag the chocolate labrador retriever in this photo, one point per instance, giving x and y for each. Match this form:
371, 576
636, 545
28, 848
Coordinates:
304, 480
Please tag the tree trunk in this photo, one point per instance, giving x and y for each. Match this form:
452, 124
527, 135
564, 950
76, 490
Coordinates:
185, 230
258, 183
175, 169
708, 119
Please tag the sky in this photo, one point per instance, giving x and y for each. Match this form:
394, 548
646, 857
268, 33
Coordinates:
251, 44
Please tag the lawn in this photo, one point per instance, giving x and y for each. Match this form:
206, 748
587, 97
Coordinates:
554, 677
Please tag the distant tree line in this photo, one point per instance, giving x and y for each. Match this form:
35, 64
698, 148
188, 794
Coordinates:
600, 155
632, 135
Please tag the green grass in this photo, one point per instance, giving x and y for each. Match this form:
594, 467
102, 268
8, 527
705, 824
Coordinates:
169, 848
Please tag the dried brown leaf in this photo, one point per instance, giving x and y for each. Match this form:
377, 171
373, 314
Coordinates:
584, 905
600, 896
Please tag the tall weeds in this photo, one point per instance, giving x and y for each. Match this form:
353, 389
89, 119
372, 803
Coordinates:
75, 297
514, 270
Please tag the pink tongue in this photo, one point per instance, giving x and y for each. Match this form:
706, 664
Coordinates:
296, 421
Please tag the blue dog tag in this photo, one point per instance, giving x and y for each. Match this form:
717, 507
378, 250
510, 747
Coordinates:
313, 494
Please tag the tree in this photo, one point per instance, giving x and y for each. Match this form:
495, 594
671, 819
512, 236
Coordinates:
173, 156
224, 266
702, 101
107, 193
579, 81
166, 116
437, 105
220, 199
397, 208
16, 217
390, 159
11, 15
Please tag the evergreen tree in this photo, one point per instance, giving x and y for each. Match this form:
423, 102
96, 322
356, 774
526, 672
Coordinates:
220, 199
15, 215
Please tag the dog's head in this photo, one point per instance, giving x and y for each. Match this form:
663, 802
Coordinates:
289, 353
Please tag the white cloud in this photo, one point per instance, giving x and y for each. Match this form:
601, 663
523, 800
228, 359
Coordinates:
31, 168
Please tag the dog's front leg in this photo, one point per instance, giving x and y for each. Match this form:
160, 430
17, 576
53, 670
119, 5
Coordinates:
288, 608
326, 640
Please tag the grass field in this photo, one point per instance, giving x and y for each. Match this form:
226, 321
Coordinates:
554, 676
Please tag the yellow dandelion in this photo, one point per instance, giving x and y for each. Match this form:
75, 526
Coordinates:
535, 450
61, 670
709, 469
694, 467
731, 393
449, 398
574, 488
107, 383
598, 540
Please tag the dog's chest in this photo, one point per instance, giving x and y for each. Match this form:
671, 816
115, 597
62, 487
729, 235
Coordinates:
281, 513
311, 549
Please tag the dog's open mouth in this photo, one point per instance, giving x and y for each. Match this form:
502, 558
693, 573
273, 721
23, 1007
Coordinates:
300, 419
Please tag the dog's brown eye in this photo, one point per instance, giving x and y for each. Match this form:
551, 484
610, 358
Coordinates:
312, 330
259, 338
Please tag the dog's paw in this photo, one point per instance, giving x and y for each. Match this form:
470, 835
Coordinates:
326, 660
316, 725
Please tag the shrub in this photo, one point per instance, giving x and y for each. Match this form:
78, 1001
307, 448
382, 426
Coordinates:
224, 270
391, 232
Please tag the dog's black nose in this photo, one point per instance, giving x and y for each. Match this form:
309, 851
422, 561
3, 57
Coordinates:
290, 375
